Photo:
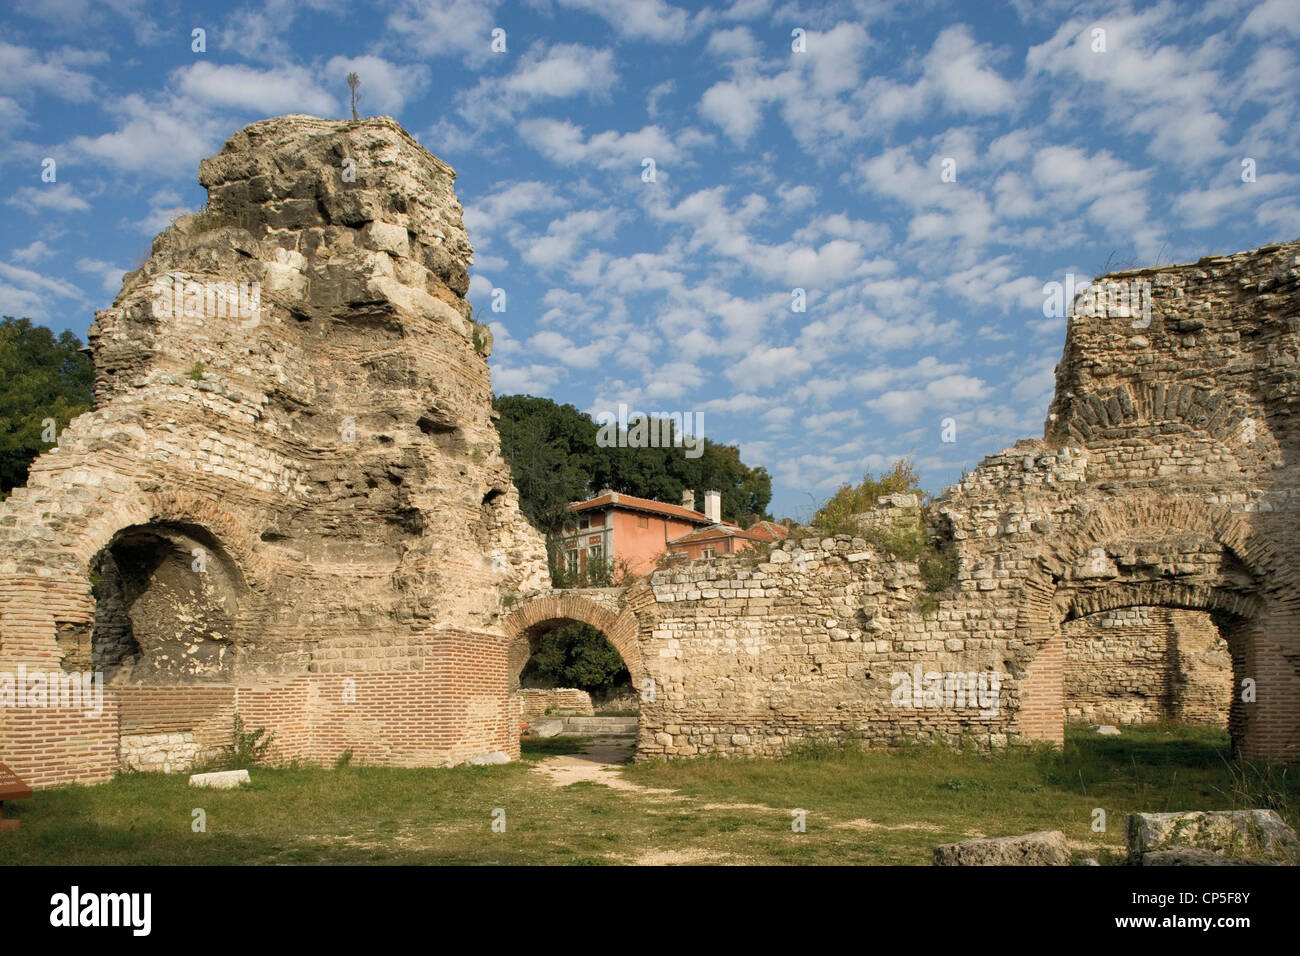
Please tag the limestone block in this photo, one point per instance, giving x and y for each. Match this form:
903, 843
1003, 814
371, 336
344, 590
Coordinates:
222, 780
548, 728
1045, 848
491, 758
1255, 834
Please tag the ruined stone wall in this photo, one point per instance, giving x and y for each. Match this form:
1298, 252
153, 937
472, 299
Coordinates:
539, 701
1168, 477
1145, 665
802, 645
295, 483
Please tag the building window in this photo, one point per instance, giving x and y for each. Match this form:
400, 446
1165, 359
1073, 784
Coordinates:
572, 558
584, 522
642, 521
708, 552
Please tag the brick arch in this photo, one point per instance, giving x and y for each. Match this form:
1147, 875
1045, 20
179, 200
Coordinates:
179, 507
32, 608
529, 620
1216, 412
1041, 611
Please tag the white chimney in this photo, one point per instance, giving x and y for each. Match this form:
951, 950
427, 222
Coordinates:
713, 506
688, 500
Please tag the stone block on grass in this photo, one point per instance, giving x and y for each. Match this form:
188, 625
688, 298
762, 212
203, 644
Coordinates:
222, 780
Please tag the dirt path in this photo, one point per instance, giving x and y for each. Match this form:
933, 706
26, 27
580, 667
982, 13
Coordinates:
601, 758
598, 762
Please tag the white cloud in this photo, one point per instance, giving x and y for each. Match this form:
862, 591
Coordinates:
462, 28
564, 143
561, 71
638, 19
533, 379
286, 89
168, 137
959, 70
55, 72
764, 366
560, 347
33, 253
109, 275
24, 292
51, 197
735, 43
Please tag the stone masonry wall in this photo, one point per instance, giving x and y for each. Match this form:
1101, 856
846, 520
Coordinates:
1144, 665
286, 487
538, 701
1168, 476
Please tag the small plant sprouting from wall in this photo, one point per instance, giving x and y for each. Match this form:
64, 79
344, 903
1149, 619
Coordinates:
246, 748
196, 372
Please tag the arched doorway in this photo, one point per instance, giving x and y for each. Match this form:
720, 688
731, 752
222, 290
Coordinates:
586, 635
167, 599
1180, 555
1146, 665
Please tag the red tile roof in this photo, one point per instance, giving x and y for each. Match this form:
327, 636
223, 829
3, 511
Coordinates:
762, 531
633, 503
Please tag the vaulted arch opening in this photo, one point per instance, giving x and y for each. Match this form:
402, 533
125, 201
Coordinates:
167, 599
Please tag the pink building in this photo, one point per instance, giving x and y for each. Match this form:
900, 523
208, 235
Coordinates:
725, 538
625, 530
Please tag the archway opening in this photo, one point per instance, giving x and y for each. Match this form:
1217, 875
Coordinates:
166, 603
569, 671
1146, 665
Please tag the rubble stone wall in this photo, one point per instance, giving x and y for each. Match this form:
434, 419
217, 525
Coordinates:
1146, 665
538, 701
283, 488
1166, 477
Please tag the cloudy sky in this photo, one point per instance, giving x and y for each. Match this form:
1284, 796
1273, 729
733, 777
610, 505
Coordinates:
649, 184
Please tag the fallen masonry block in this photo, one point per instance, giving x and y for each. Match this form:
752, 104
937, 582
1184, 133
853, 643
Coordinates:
491, 758
1106, 730
1244, 834
222, 780
1045, 848
548, 728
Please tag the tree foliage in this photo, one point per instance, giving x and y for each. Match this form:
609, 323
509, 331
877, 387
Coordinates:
554, 458
577, 655
853, 500
42, 377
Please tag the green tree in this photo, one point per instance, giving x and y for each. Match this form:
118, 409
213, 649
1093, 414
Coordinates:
549, 448
852, 500
43, 377
577, 655
555, 459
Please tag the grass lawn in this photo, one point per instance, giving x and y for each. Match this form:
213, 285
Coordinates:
861, 807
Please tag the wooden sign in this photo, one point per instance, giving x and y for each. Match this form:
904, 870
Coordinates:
11, 788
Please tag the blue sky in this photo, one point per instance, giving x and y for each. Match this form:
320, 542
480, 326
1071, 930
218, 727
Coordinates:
774, 170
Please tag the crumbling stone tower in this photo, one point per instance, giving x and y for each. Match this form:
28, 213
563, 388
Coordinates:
289, 501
